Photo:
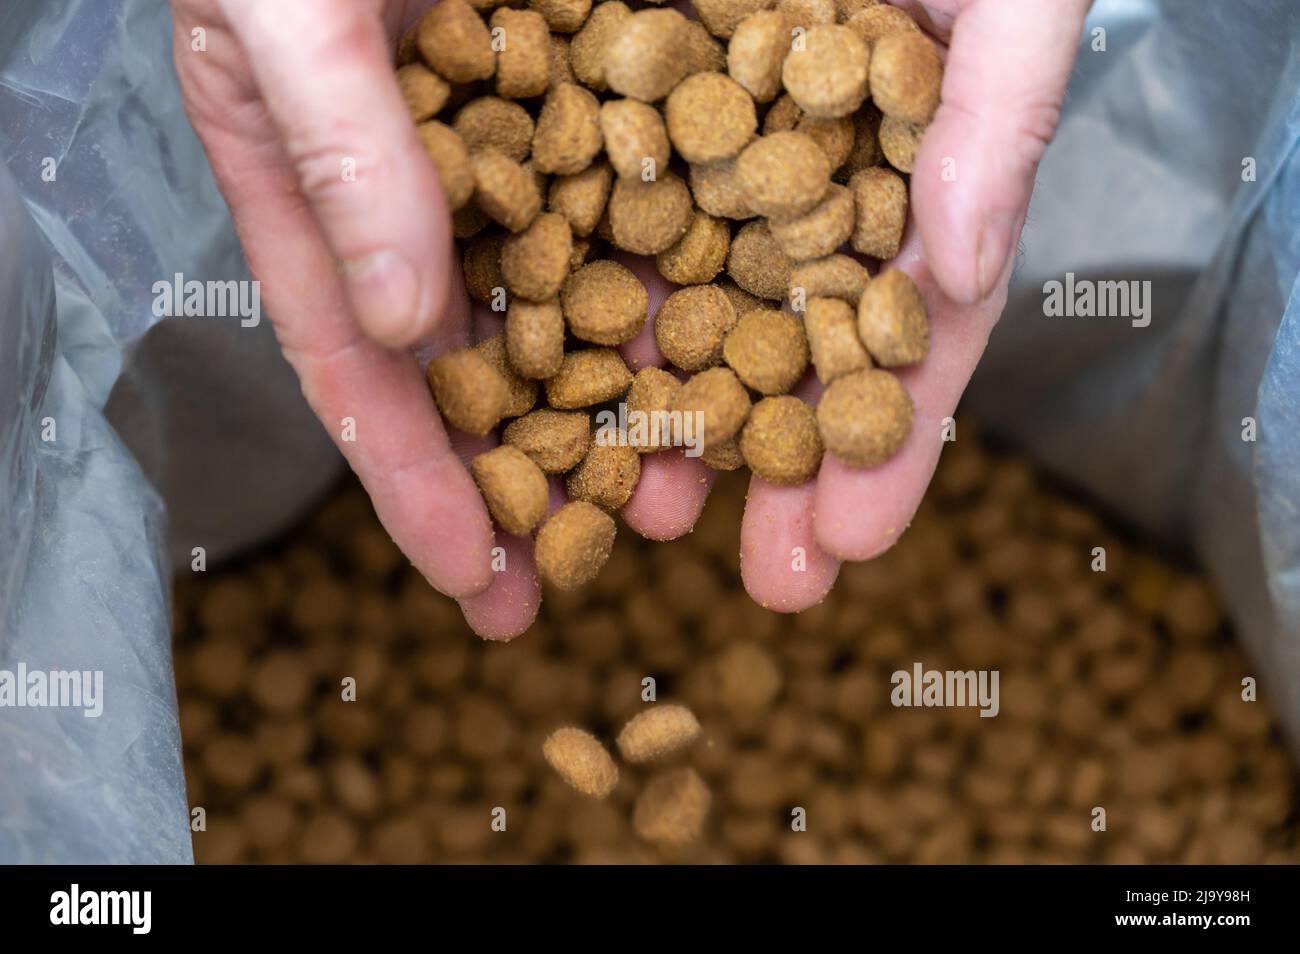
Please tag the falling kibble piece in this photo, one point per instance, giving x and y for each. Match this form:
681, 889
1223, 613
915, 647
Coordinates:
513, 487
535, 262
604, 303
581, 760
892, 320
468, 391
671, 809
573, 544
607, 475
880, 199
906, 76
783, 175
768, 350
691, 325
657, 732
554, 440
719, 397
832, 329
865, 417
827, 75
780, 441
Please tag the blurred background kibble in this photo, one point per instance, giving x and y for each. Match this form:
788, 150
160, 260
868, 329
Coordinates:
335, 709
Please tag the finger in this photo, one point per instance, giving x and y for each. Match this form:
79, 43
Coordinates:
642, 351
1007, 69
669, 496
323, 69
781, 564
861, 512
508, 607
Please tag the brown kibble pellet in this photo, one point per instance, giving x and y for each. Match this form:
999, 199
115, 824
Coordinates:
535, 262
652, 394
717, 190
748, 678
832, 330
866, 150
880, 20
588, 377
643, 57
582, 251
581, 197
834, 136
468, 221
906, 76
648, 217
835, 276
505, 190
757, 264
892, 320
827, 77
741, 300
710, 117
589, 43
581, 760
783, 175
691, 325
657, 732
636, 140
721, 17
492, 122
604, 303
423, 91
820, 231
456, 42
561, 62
554, 440
699, 255
899, 141
563, 16
607, 475
574, 544
768, 350
757, 49
482, 268
880, 203
513, 487
783, 115
671, 809
451, 161
726, 456
524, 62
522, 391
468, 390
780, 441
808, 13
535, 337
703, 53
865, 417
568, 130
719, 396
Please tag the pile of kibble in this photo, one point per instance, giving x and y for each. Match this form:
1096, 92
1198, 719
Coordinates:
763, 140
1119, 690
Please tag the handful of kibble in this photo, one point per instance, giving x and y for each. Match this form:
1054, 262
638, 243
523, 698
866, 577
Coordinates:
567, 133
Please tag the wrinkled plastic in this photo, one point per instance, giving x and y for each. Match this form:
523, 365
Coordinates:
1144, 183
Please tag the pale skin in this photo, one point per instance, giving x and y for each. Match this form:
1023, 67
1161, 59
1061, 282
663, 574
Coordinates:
357, 272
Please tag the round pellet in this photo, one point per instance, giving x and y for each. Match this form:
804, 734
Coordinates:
899, 141
721, 17
521, 392
650, 399
726, 456
535, 262
892, 321
906, 76
455, 41
710, 117
573, 544
780, 442
492, 122
699, 254
581, 760
865, 417
643, 57
757, 49
588, 377
876, 21
524, 62
606, 477
636, 141
757, 264
818, 232
833, 340
827, 74
604, 303
671, 809
719, 397
469, 392
717, 190
866, 151
835, 276
581, 197
783, 175
657, 732
691, 325
880, 203
589, 43
423, 91
535, 337
481, 265
451, 161
768, 350
648, 217
568, 130
513, 487
554, 440
505, 190
562, 16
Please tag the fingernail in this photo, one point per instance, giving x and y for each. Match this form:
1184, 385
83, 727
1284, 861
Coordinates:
385, 294
994, 250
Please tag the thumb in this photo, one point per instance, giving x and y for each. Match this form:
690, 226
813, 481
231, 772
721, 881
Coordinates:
1008, 66
322, 67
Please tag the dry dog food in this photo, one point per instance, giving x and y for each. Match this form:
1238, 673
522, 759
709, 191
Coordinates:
743, 151
657, 732
581, 760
